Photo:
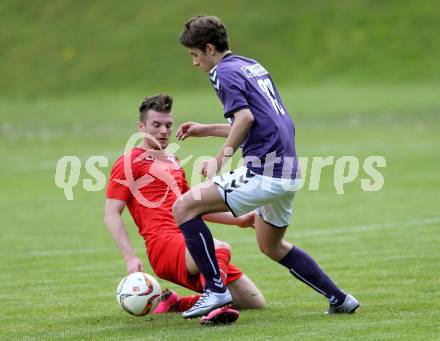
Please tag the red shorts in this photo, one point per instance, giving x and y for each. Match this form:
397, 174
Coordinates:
167, 258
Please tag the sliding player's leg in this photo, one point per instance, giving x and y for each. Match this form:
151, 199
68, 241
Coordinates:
167, 258
171, 302
179, 267
245, 294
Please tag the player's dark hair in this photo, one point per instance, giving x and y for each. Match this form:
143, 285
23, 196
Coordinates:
202, 30
161, 103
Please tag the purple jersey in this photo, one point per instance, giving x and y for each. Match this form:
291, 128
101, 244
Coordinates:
269, 148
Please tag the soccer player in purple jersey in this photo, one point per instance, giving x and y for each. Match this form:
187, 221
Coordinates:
262, 127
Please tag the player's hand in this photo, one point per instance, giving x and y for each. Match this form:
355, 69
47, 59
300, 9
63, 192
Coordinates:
134, 264
247, 220
211, 167
188, 129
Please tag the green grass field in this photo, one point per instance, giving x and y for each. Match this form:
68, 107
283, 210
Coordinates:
60, 267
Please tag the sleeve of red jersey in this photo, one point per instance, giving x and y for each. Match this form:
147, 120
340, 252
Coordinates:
115, 189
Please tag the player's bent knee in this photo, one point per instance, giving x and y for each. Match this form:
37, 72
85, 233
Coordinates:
245, 294
220, 244
265, 249
183, 211
270, 251
179, 211
259, 302
256, 302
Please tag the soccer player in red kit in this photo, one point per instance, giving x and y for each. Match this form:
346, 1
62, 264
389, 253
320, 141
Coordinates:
148, 181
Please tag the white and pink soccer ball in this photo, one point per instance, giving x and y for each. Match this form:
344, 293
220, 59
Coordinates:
138, 293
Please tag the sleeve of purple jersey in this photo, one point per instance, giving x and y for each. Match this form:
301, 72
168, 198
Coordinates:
232, 92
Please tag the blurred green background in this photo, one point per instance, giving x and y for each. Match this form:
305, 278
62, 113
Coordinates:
61, 47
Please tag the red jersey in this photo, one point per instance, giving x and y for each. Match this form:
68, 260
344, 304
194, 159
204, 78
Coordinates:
149, 184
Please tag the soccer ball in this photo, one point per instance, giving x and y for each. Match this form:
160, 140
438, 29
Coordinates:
138, 293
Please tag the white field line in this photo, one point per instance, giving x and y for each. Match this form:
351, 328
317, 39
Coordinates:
66, 252
370, 227
311, 233
351, 230
24, 165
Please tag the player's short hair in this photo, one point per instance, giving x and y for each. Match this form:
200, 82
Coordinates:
202, 30
160, 103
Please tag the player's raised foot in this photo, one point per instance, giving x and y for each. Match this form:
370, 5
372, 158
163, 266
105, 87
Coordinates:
207, 302
349, 306
224, 315
167, 302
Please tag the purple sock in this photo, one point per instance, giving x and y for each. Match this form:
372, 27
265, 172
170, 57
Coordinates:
200, 245
304, 268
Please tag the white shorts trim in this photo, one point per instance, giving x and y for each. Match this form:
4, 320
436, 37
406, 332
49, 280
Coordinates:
244, 191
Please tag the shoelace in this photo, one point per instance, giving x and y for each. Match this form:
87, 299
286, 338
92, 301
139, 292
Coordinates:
202, 299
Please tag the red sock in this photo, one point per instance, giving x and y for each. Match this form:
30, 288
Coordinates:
223, 258
185, 303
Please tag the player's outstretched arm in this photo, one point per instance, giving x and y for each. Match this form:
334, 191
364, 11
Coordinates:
115, 224
193, 129
243, 121
226, 218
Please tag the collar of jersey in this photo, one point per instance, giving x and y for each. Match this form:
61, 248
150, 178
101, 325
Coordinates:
224, 57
